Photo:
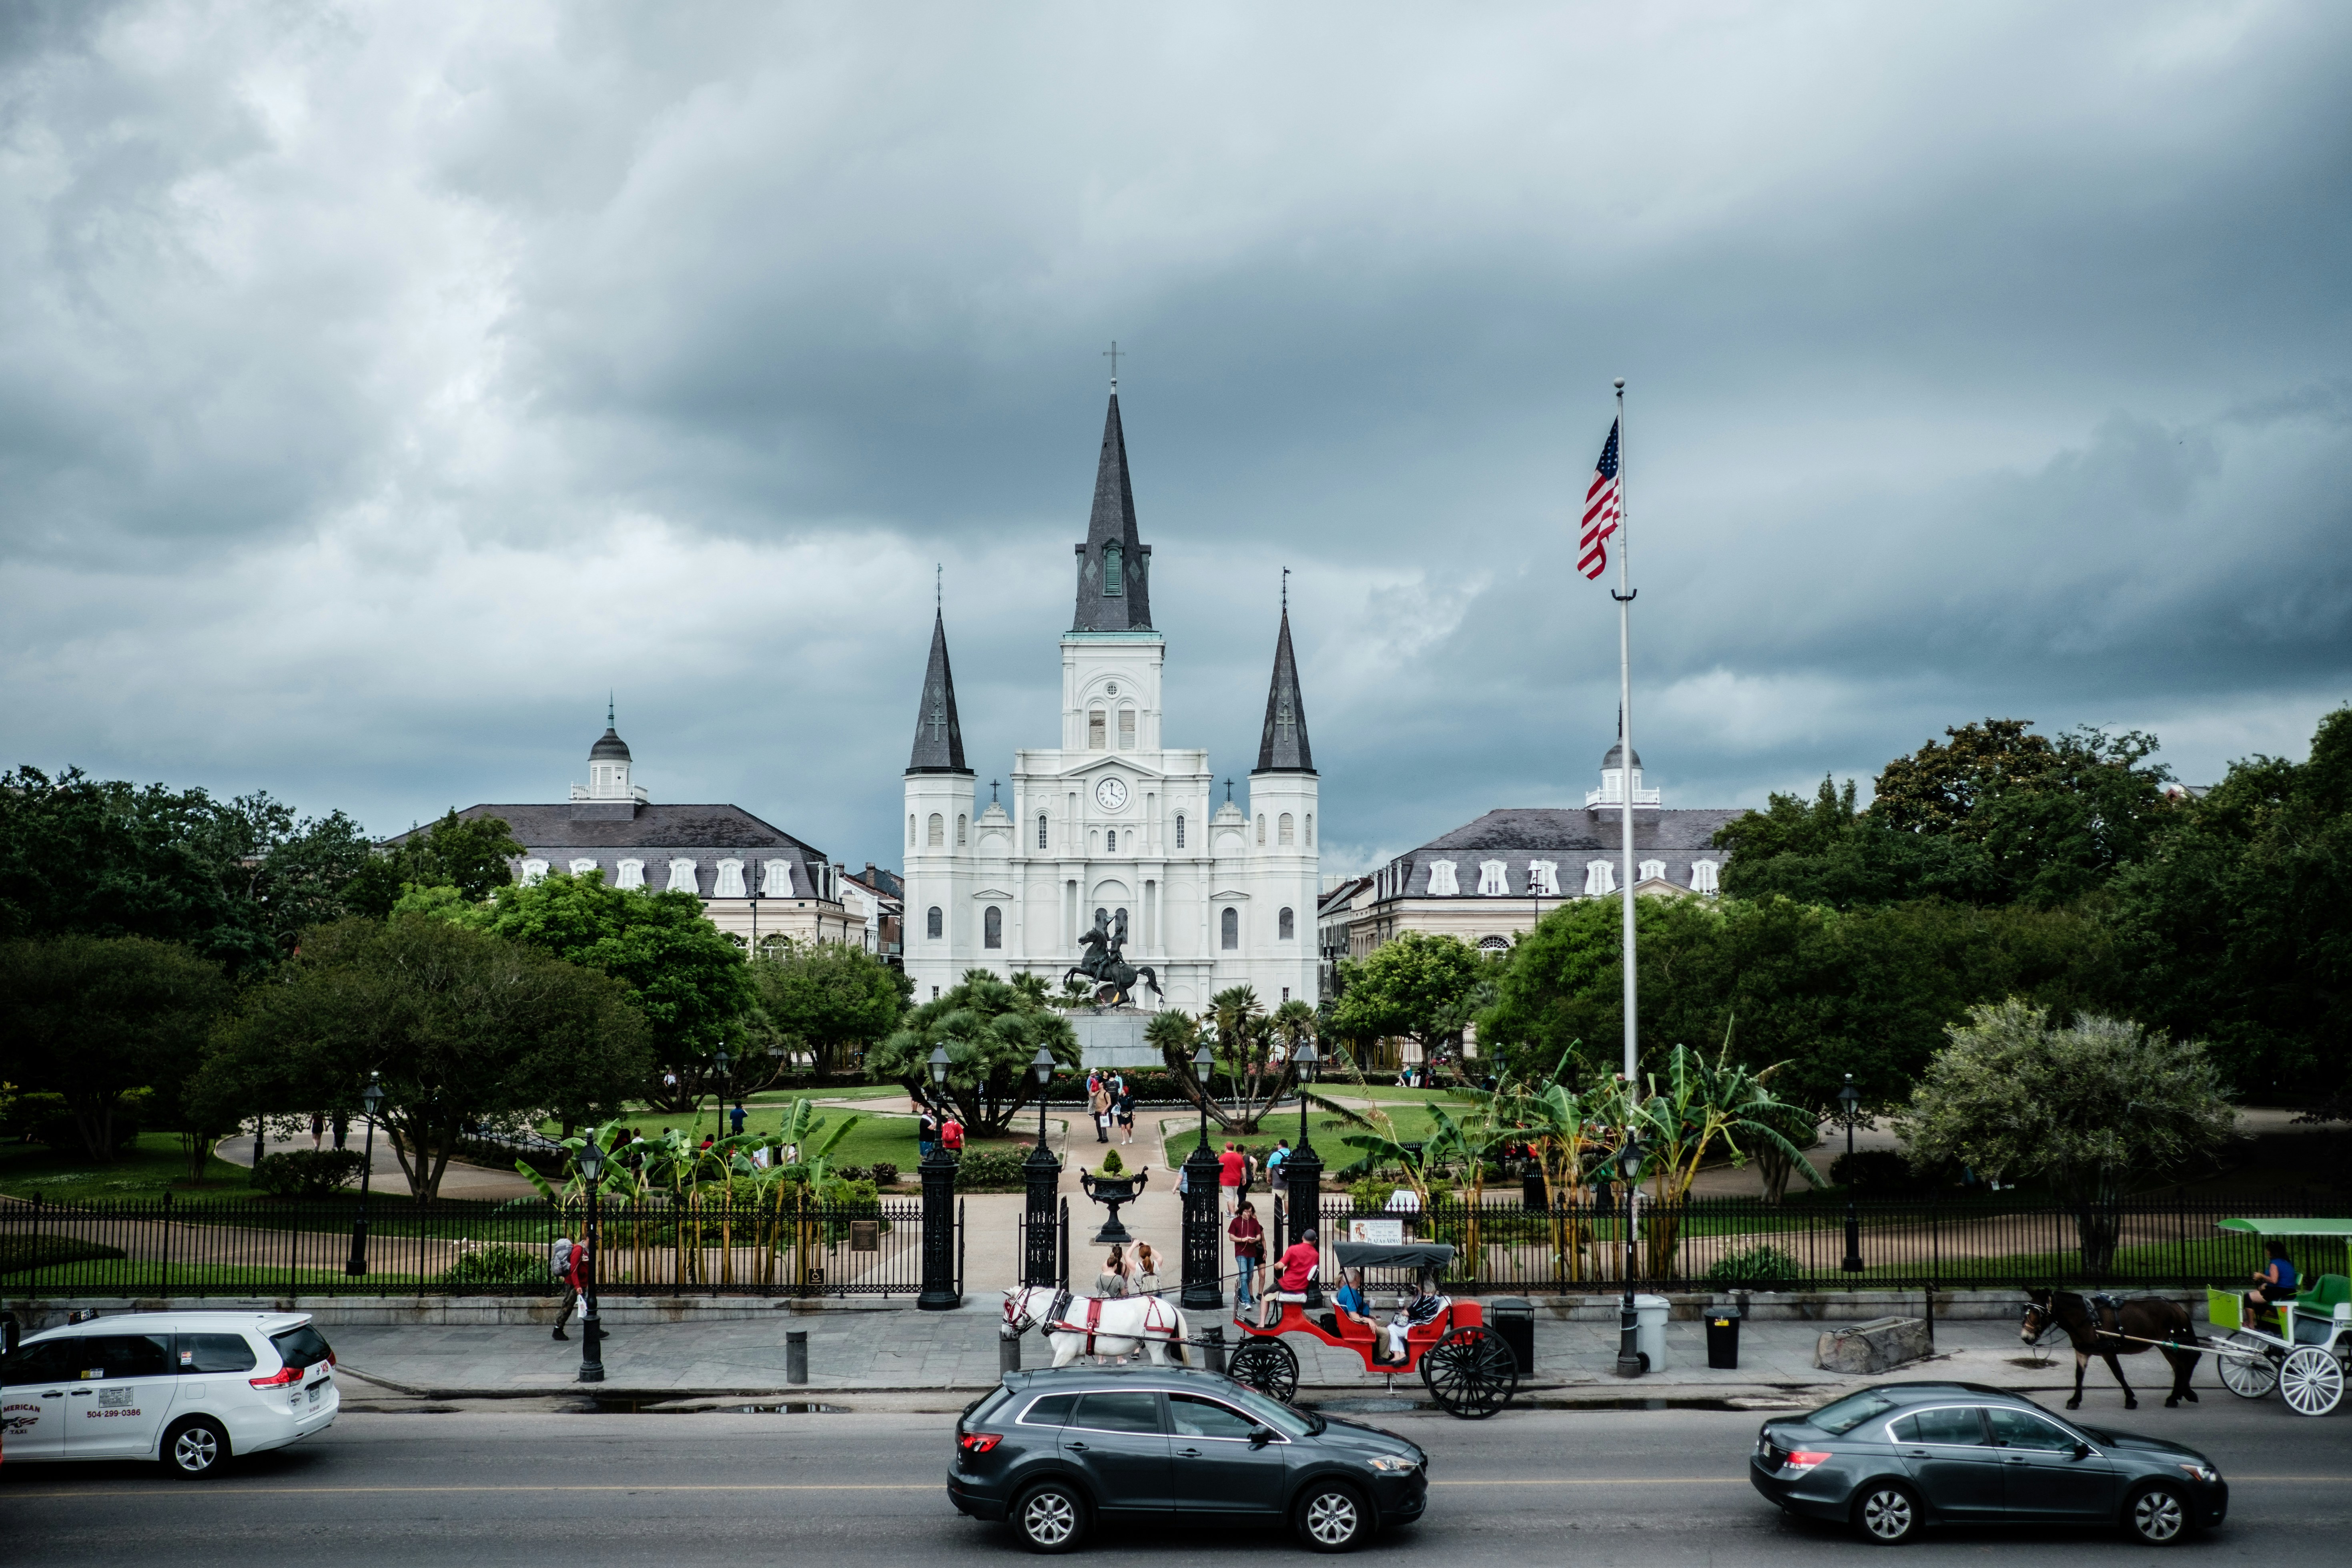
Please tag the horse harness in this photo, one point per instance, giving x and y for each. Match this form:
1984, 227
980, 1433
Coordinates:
1157, 1318
2105, 1312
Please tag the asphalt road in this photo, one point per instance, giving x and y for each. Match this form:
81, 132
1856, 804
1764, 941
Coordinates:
513, 1487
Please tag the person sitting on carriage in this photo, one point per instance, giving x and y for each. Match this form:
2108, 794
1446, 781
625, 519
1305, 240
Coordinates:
1299, 1261
2278, 1281
1350, 1307
1424, 1308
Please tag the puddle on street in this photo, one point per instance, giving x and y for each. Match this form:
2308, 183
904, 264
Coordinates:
676, 1407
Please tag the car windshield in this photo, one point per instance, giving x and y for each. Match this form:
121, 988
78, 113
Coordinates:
1840, 1416
1274, 1413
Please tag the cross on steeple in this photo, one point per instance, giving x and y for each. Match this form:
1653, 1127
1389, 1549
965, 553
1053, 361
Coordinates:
938, 717
991, 791
1229, 792
1112, 353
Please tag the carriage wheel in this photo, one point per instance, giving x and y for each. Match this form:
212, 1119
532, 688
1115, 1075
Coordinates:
2247, 1376
1267, 1365
2311, 1382
1471, 1373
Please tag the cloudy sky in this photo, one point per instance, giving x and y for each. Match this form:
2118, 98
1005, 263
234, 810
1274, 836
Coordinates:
384, 384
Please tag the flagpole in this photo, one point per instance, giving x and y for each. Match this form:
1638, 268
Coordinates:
1624, 597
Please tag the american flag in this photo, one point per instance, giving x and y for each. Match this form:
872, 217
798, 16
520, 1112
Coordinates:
1602, 511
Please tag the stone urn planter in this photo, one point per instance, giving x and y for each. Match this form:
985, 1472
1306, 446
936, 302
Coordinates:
1111, 1192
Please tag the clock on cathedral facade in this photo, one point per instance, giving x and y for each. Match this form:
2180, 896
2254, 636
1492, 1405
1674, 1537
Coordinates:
1213, 892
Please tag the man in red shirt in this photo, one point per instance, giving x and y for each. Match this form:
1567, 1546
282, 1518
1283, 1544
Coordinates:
1231, 1164
952, 1134
1297, 1270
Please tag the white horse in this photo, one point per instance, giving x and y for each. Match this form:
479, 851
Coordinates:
1098, 1325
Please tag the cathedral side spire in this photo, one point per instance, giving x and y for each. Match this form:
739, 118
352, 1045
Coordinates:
1114, 587
938, 737
1282, 746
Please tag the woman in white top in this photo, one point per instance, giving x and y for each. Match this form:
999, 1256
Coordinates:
1146, 1279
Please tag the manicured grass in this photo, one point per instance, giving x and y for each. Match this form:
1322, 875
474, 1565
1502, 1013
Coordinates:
147, 1278
153, 1164
1411, 1123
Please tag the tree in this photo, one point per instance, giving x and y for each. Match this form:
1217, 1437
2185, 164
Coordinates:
2237, 924
475, 855
1417, 986
93, 1018
686, 976
991, 1030
465, 1028
1826, 852
828, 998
2086, 1108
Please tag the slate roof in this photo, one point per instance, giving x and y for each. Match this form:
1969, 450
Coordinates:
938, 734
1282, 747
1113, 523
1569, 836
655, 835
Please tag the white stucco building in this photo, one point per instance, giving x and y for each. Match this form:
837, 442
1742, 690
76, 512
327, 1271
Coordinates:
1214, 892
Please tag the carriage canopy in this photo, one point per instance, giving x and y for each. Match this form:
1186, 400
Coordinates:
2339, 1228
1433, 1255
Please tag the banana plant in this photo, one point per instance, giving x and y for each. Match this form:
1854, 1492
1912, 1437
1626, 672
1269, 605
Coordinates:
1695, 1105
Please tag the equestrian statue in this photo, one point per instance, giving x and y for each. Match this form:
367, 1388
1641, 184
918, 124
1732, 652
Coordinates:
1106, 963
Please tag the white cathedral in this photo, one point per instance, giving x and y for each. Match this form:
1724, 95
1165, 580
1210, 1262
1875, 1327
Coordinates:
1111, 823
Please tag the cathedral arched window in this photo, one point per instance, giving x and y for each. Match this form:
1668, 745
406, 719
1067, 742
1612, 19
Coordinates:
1114, 571
910, 830
1095, 740
1261, 828
962, 830
1041, 831
939, 831
1287, 925
934, 923
991, 928
1229, 928
1111, 841
1287, 829
1310, 827
1180, 830
1126, 729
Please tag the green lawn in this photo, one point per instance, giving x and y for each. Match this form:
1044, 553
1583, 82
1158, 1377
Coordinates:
1411, 1123
151, 1166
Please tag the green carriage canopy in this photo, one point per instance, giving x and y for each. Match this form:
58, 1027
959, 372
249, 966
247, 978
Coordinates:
2338, 1227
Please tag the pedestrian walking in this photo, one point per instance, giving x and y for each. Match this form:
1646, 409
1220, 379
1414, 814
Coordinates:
927, 1132
1126, 1115
735, 1118
1249, 1253
952, 1134
317, 1128
1098, 1105
566, 1260
1230, 1170
1273, 1162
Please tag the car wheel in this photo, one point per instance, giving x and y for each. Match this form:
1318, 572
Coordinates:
2157, 1516
196, 1447
1332, 1517
1050, 1517
1886, 1513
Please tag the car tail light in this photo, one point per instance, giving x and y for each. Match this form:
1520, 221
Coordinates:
979, 1442
278, 1379
1804, 1459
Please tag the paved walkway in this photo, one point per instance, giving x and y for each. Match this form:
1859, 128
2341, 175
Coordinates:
944, 1352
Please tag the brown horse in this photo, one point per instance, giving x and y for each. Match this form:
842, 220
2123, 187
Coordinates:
2103, 1327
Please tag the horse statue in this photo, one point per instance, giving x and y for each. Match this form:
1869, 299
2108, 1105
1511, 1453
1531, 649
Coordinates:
1098, 1325
2106, 1328
1106, 963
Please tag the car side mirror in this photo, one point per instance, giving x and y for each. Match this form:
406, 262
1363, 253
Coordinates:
1260, 1436
2082, 1450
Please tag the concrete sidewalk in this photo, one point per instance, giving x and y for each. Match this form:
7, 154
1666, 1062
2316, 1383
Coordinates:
853, 1352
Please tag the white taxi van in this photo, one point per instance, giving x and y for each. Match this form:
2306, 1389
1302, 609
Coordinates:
190, 1389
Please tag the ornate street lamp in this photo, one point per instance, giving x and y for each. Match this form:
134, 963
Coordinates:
939, 1293
1042, 1064
1203, 1290
371, 1097
1629, 1168
1850, 1112
592, 1328
1309, 1059
1041, 1177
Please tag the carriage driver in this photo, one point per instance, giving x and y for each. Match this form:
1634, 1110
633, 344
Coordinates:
1299, 1261
2278, 1281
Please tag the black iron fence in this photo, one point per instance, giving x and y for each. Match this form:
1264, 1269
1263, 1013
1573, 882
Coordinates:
153, 1249
1742, 1244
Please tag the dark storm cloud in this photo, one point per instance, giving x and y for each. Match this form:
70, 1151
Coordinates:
384, 383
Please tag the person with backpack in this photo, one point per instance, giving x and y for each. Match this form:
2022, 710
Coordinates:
561, 1254
952, 1134
927, 1132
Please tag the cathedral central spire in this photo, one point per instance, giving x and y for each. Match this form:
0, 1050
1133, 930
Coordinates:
1282, 746
938, 737
1114, 587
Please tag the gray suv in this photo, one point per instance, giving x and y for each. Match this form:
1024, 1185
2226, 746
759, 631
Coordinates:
1894, 1459
1052, 1451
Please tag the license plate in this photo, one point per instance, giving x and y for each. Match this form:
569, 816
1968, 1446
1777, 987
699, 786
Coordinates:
314, 1391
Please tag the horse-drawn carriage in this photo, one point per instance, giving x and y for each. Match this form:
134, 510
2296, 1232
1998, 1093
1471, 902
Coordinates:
1468, 1369
2302, 1348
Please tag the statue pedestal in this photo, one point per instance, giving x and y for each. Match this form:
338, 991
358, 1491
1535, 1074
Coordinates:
1114, 1038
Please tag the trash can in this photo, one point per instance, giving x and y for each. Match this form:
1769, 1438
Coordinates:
1513, 1318
1650, 1331
1722, 1339
1533, 1193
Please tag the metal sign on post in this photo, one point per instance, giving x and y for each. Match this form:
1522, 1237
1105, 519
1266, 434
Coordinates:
1378, 1232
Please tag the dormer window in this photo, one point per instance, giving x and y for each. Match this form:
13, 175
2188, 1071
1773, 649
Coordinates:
1543, 877
1703, 879
1652, 871
1600, 877
1494, 879
1442, 884
1114, 575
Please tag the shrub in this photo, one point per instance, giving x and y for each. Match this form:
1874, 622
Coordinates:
886, 1175
1884, 1173
308, 1172
852, 1172
20, 1254
499, 1263
1760, 1267
990, 1171
1112, 1166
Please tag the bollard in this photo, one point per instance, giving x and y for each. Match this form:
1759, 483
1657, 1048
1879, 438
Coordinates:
796, 1355
1216, 1338
1008, 1349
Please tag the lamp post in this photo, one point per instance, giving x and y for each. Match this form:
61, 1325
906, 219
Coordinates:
751, 896
1628, 1350
1203, 1289
592, 1328
1041, 1176
720, 1063
938, 1173
1302, 1173
371, 1097
1849, 1112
